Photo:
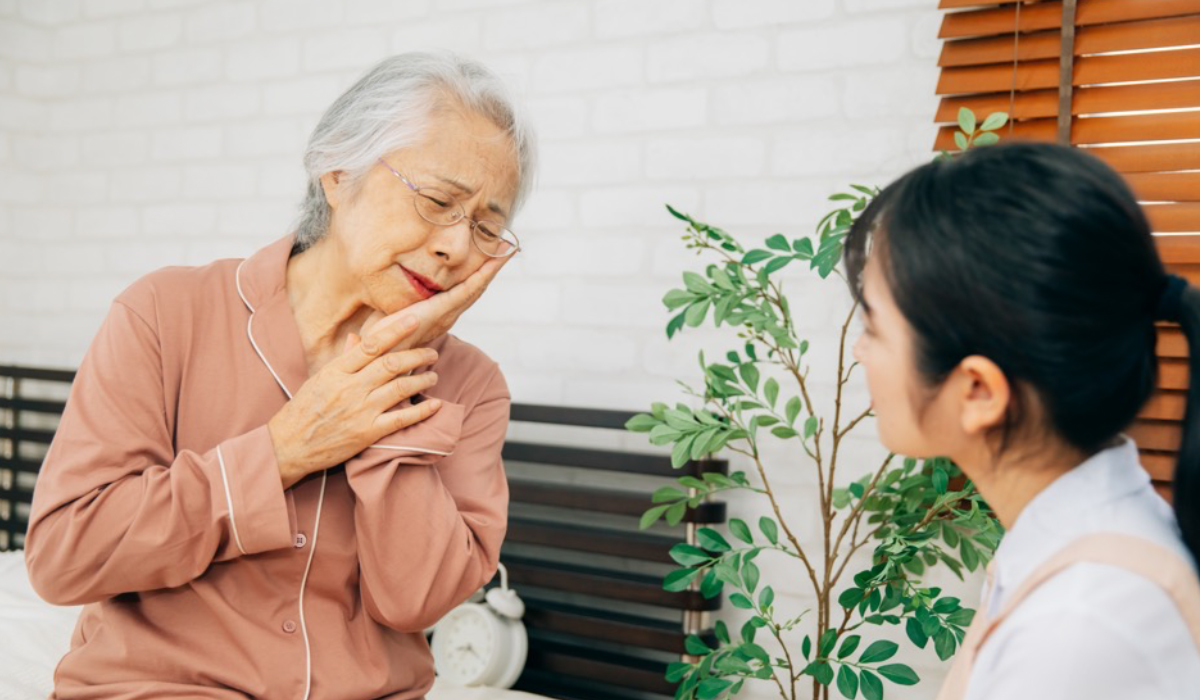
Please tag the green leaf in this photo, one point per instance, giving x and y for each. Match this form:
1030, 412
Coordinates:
721, 631
966, 120
850, 597
676, 670
994, 121
841, 498
674, 325
776, 264
810, 427
712, 540
695, 645
960, 140
784, 432
651, 516
793, 409
946, 605
677, 298
753, 650
675, 213
739, 529
827, 641
696, 283
739, 600
806, 646
642, 423
676, 512
970, 555
803, 247
679, 579
667, 493
711, 688
847, 682
899, 674
827, 257
849, 644
961, 617
771, 391
756, 256
750, 575
872, 687
769, 529
986, 139
823, 672
766, 597
749, 375
941, 480
944, 644
687, 555
915, 633
680, 453
779, 242
711, 586
881, 650
695, 313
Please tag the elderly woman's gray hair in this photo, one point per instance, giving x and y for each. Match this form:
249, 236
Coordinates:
388, 109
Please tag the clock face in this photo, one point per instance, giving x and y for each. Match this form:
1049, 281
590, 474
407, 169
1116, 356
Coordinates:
464, 645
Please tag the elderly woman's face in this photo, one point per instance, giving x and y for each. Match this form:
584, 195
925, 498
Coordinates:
391, 255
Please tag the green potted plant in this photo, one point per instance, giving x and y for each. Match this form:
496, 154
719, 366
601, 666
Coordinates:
914, 514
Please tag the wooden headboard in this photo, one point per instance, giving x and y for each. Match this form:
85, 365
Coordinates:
600, 625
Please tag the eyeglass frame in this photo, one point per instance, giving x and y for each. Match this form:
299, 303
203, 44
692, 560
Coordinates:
474, 224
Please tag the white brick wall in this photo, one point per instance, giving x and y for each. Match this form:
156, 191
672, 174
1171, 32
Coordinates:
141, 133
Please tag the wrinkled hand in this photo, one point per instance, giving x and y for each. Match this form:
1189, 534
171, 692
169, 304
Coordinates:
345, 406
437, 314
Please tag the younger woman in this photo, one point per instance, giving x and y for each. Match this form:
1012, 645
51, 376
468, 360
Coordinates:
1009, 298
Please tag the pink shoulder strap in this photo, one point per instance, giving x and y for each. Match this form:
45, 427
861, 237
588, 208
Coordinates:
1136, 554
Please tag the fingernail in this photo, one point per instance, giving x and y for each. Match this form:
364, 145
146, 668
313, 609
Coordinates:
433, 378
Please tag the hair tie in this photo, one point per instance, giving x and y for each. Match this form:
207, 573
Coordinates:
1170, 300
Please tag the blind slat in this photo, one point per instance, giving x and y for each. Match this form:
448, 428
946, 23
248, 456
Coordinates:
1047, 15
1156, 435
1165, 187
1173, 218
1152, 157
1166, 405
1182, 94
1089, 70
1104, 38
1100, 130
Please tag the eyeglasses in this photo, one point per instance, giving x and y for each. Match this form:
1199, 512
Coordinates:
438, 207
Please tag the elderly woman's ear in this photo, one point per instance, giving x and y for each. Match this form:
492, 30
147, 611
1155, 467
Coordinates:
333, 185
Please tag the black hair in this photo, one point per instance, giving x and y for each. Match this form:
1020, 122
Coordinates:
1038, 257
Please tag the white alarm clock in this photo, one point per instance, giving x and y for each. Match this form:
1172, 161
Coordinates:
482, 644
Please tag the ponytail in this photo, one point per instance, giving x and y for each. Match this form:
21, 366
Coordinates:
1182, 303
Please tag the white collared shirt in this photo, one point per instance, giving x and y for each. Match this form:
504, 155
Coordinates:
1094, 631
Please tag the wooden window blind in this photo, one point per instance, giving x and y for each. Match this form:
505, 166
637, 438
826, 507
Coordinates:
1120, 78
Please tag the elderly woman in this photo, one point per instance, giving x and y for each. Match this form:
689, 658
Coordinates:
273, 473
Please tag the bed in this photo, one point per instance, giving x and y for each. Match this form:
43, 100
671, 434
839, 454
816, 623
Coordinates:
600, 625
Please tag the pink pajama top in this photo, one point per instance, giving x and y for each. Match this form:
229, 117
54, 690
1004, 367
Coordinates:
160, 507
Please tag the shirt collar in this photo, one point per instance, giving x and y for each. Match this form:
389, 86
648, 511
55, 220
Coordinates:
261, 282
1062, 511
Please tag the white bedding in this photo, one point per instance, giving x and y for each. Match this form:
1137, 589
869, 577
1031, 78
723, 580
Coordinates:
34, 635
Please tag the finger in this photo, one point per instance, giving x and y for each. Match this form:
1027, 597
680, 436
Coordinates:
381, 339
402, 388
402, 362
391, 421
352, 339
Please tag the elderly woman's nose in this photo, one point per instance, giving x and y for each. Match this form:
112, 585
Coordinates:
453, 243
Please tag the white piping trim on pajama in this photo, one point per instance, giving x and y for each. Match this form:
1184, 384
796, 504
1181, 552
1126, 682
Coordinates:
229, 500
237, 276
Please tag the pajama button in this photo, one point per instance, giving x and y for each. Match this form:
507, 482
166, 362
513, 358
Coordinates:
289, 626
300, 540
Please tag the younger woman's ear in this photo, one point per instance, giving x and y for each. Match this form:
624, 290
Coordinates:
332, 184
985, 396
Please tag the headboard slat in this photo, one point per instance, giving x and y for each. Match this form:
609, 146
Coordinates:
598, 500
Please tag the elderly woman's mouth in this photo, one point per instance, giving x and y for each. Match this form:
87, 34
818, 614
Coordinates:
424, 286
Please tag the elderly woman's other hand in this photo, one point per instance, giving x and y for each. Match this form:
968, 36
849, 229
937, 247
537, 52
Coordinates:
347, 405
